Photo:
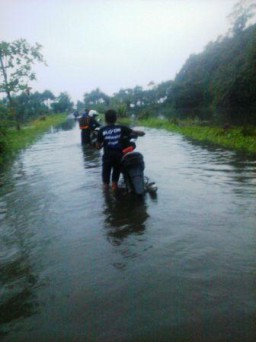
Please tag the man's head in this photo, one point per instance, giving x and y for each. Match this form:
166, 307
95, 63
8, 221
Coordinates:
93, 113
110, 116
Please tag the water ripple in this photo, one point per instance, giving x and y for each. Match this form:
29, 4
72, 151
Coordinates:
80, 256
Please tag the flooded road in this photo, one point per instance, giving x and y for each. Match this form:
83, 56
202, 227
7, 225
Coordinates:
78, 264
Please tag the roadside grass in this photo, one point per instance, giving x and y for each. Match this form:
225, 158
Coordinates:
17, 140
235, 138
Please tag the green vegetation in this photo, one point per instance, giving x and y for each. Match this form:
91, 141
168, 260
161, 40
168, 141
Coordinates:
16, 60
212, 98
21, 105
217, 85
235, 138
12, 141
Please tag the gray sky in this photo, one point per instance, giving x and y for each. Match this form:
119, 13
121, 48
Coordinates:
112, 44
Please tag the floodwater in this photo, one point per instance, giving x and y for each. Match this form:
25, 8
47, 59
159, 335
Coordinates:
78, 264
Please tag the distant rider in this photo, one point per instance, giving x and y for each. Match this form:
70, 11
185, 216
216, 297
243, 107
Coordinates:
76, 114
87, 124
113, 138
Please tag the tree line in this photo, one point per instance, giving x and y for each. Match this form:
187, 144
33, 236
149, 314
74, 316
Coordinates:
217, 85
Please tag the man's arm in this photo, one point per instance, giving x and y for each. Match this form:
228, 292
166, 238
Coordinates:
138, 133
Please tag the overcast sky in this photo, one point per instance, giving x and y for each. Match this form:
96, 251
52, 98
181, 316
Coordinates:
112, 44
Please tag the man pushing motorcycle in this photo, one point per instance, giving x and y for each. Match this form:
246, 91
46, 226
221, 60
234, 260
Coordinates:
88, 124
113, 138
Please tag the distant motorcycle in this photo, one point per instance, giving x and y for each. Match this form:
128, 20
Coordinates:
93, 136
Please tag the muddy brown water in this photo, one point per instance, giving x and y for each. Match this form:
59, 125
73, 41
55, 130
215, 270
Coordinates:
78, 264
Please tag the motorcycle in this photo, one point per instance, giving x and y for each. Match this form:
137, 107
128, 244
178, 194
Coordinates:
133, 166
93, 137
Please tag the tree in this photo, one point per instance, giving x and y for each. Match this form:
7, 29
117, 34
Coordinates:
243, 11
16, 60
62, 104
32, 106
97, 100
95, 97
47, 95
80, 106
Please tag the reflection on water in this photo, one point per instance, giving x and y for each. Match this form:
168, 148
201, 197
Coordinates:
125, 224
68, 125
17, 283
124, 215
233, 171
91, 157
17, 276
80, 264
